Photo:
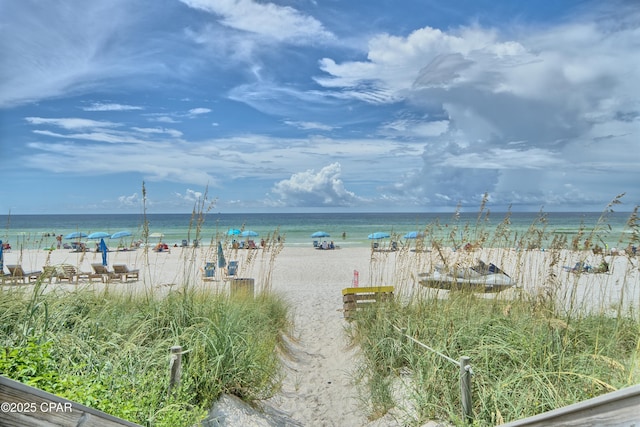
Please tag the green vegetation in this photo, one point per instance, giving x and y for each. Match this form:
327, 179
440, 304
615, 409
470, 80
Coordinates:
529, 352
525, 361
111, 351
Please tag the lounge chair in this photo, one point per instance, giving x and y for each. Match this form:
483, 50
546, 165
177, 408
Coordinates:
49, 272
232, 270
124, 272
210, 270
16, 273
103, 272
71, 274
66, 272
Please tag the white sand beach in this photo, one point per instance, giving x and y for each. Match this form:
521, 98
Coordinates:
318, 389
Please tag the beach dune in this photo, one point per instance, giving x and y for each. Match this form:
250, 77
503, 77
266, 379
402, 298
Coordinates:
318, 387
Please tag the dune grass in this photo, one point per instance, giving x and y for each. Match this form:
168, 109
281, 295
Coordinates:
532, 351
110, 351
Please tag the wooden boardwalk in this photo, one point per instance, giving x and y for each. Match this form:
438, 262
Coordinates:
25, 406
618, 408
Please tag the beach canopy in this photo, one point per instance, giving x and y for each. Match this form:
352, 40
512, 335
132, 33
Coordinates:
120, 234
320, 234
248, 233
75, 235
378, 235
412, 235
98, 235
233, 232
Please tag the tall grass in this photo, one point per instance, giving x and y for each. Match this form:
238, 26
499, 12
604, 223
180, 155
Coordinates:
111, 350
540, 347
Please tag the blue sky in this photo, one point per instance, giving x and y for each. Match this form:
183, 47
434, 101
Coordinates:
318, 105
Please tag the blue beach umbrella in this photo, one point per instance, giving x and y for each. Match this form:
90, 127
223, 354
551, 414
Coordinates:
233, 232
320, 234
378, 235
98, 235
412, 235
75, 235
120, 234
221, 261
103, 249
248, 233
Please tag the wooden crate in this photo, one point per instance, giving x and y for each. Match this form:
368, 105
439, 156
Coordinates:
357, 298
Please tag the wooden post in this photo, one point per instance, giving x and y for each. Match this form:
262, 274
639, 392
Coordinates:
465, 389
175, 367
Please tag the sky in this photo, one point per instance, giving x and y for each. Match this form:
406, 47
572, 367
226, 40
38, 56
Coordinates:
318, 105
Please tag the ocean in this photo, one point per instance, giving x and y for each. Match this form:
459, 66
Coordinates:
345, 229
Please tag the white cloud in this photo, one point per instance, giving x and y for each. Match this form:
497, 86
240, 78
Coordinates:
99, 106
190, 195
308, 125
198, 111
324, 188
556, 99
171, 132
71, 123
52, 50
129, 201
278, 23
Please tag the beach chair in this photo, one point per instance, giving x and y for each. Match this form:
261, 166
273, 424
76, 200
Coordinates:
209, 270
16, 273
124, 272
104, 273
69, 273
232, 269
49, 272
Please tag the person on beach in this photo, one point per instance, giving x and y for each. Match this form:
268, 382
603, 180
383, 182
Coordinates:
59, 240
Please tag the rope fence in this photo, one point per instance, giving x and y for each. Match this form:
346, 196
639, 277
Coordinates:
465, 374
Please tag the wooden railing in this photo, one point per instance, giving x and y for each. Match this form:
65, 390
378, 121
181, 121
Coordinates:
618, 408
25, 406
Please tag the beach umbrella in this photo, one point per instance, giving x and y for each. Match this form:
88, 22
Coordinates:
248, 233
120, 234
98, 235
320, 234
233, 232
378, 235
104, 250
75, 235
412, 235
221, 261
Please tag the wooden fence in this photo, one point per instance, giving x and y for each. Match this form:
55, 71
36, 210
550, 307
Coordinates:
25, 406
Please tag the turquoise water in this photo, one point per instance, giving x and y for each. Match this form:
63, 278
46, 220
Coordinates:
39, 231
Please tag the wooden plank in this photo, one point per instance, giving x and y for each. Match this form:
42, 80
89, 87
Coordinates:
367, 297
25, 406
367, 289
619, 408
358, 298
